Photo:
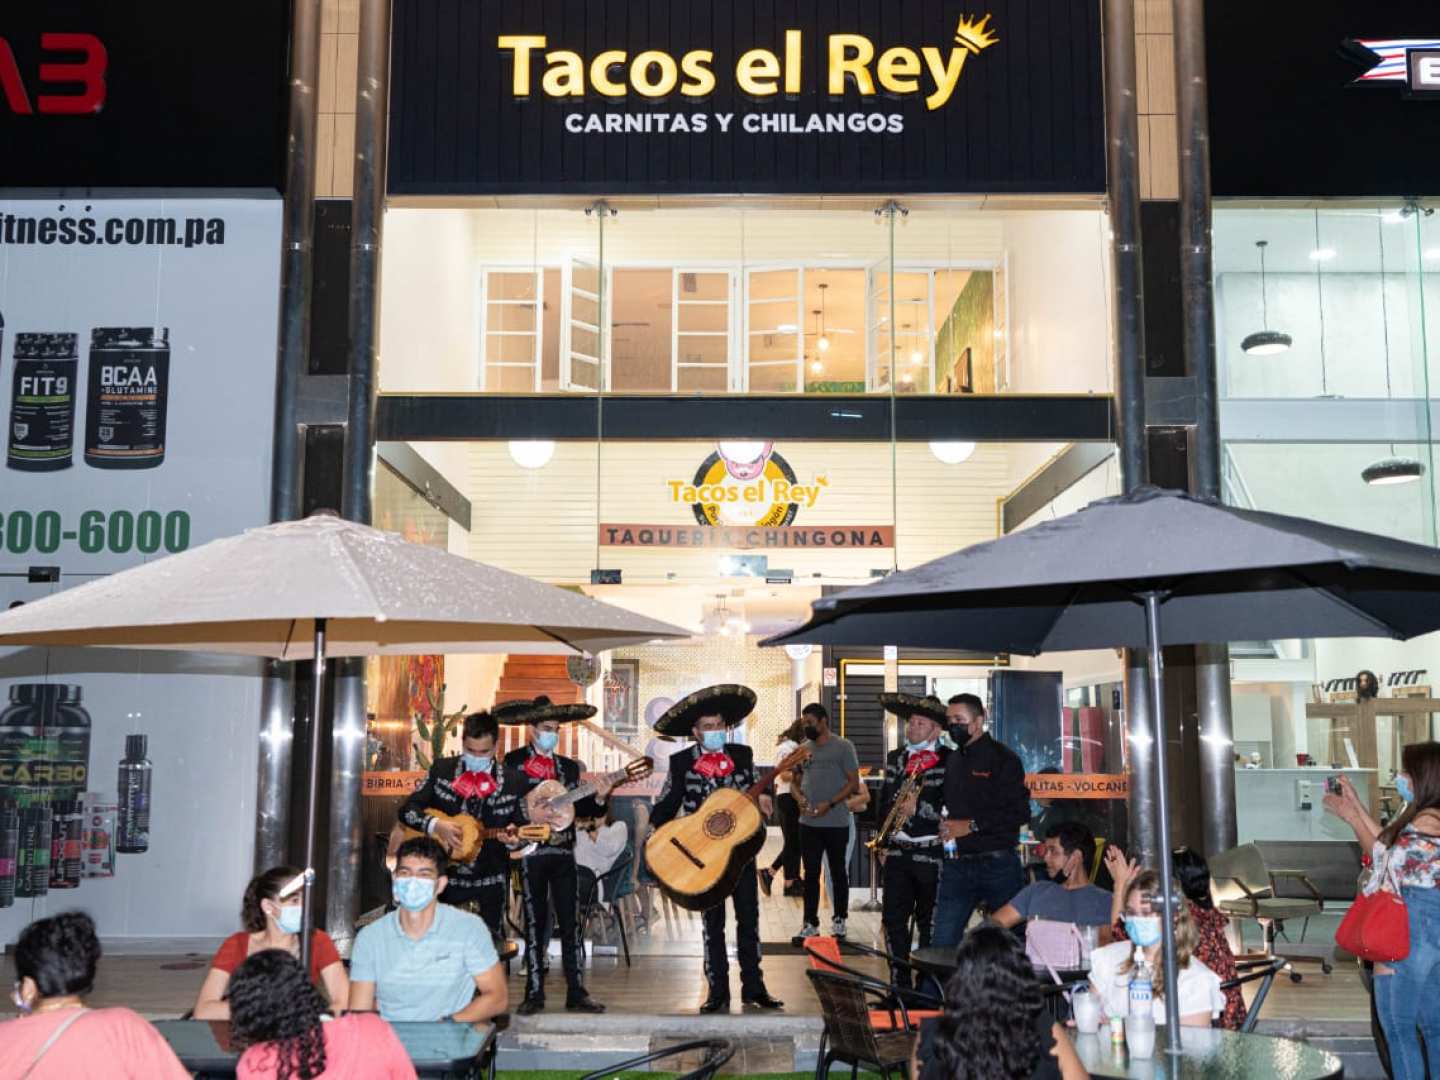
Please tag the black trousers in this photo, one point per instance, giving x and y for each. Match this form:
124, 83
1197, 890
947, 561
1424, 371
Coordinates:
910, 886
788, 811
817, 841
746, 903
544, 878
487, 901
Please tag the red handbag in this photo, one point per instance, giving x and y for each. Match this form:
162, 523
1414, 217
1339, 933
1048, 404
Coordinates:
1377, 926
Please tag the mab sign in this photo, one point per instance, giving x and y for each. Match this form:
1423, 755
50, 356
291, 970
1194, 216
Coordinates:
707, 96
69, 80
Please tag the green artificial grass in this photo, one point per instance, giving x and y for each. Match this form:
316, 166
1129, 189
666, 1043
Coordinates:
562, 1074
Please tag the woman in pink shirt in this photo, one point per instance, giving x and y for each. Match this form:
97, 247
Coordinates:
58, 1037
279, 1016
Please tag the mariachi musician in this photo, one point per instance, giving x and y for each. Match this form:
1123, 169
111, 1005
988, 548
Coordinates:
469, 784
548, 871
713, 762
911, 849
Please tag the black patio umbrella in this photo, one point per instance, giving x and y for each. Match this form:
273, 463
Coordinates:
1150, 568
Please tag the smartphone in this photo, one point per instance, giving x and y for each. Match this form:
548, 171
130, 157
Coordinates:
1332, 785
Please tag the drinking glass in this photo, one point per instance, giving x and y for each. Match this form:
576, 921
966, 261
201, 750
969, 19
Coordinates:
1140, 1035
1087, 1010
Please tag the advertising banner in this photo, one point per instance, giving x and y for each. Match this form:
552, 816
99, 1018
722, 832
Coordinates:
612, 97
137, 376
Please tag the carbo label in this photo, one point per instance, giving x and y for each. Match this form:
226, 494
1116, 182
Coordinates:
125, 409
42, 402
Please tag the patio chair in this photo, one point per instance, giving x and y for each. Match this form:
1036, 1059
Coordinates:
1244, 887
717, 1053
850, 1035
609, 889
825, 956
1265, 970
918, 999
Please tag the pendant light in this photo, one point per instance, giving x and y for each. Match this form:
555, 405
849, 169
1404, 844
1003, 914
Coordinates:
1265, 342
1393, 469
822, 343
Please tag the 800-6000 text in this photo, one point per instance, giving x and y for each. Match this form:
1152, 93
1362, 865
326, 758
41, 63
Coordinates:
118, 531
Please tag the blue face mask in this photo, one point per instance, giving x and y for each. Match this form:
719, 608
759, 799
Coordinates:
546, 741
916, 746
289, 920
1403, 788
476, 763
712, 741
413, 893
1143, 930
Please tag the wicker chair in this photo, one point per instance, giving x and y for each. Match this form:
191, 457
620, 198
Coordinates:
850, 1035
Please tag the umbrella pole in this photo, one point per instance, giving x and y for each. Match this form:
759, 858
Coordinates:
1162, 802
312, 794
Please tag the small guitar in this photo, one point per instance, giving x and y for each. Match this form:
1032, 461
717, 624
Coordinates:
473, 834
698, 858
552, 803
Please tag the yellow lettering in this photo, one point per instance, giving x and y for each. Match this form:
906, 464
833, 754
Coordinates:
675, 487
842, 64
753, 68
600, 73
896, 70
792, 61
565, 75
945, 74
696, 66
640, 73
523, 45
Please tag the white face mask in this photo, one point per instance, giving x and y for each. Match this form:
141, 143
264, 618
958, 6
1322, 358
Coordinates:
19, 1000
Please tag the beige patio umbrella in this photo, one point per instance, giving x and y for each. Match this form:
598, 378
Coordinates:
318, 588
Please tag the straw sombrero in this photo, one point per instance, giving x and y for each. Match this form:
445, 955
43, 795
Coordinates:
907, 705
538, 710
730, 701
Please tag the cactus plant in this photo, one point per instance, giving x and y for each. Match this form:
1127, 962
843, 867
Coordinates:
435, 726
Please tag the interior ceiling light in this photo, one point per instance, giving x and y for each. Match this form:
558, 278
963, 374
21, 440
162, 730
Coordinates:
951, 453
1265, 342
1392, 470
1323, 254
816, 367
532, 453
822, 342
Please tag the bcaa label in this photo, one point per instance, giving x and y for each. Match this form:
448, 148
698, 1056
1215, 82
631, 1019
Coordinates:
852, 60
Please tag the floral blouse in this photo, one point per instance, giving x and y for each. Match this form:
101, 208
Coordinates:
1414, 859
1214, 952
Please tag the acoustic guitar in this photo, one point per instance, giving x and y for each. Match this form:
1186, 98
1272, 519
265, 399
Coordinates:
552, 803
698, 858
473, 834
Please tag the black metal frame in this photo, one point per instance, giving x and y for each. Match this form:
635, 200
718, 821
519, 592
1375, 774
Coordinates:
595, 903
718, 1052
869, 986
1255, 969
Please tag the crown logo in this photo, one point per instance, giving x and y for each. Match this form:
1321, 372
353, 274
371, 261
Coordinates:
973, 35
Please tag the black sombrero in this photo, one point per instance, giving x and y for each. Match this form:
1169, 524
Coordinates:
539, 710
907, 705
730, 701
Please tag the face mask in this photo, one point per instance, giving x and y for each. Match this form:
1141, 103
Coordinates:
476, 763
1403, 788
812, 732
413, 893
546, 741
20, 1002
712, 740
289, 920
1143, 930
917, 746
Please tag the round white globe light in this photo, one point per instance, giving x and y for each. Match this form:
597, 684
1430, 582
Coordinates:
951, 453
532, 453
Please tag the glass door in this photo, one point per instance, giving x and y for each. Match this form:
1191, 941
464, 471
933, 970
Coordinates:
702, 314
879, 321
774, 330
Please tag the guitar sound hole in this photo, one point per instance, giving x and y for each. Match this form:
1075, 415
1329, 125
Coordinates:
719, 824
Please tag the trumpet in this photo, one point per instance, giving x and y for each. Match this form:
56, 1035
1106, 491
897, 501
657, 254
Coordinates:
893, 821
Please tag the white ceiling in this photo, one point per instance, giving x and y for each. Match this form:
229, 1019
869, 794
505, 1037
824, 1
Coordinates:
1356, 236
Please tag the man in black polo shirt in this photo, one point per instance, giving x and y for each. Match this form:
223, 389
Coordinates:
986, 802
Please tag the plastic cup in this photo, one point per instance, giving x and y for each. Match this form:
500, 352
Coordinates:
1140, 1036
1087, 1012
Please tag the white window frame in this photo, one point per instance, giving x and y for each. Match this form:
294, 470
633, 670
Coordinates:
729, 333
749, 332
538, 334
568, 322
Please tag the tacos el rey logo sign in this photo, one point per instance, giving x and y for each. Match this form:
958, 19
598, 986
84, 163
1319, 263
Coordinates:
746, 484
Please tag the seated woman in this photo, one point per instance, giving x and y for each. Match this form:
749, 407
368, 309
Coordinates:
995, 1023
278, 1015
597, 847
1193, 873
58, 1038
271, 922
1112, 966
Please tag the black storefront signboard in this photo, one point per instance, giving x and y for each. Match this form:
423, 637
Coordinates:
155, 94
1331, 98
749, 96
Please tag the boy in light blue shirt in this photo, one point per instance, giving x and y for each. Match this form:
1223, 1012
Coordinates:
426, 960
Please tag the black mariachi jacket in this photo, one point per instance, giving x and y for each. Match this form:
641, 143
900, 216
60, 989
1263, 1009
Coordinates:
686, 789
519, 783
985, 782
438, 793
924, 826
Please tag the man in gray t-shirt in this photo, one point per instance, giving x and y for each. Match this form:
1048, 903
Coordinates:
1068, 895
829, 778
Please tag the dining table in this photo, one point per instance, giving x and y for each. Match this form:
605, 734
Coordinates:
436, 1049
1208, 1054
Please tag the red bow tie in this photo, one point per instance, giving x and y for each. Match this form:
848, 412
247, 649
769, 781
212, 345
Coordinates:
540, 768
921, 760
479, 785
716, 764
